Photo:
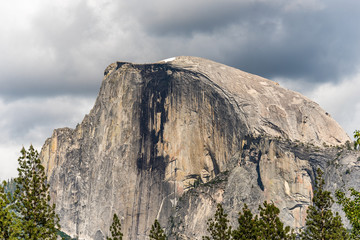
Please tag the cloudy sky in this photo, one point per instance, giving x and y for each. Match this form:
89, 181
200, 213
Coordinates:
53, 53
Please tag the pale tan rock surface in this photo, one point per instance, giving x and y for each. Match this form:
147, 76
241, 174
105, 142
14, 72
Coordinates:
157, 130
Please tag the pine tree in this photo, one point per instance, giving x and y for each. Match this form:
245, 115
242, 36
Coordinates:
270, 224
321, 224
115, 229
351, 207
218, 228
31, 199
156, 232
9, 223
248, 228
357, 139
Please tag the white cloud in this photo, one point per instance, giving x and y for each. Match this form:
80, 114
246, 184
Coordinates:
8, 161
342, 101
304, 5
31, 121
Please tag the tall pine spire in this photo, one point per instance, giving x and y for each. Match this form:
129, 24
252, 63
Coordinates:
321, 224
32, 199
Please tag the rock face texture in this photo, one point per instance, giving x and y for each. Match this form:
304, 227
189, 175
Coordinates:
172, 139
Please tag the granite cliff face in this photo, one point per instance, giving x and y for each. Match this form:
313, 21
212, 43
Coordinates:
171, 139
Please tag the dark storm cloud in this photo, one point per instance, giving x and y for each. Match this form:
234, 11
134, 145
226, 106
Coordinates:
65, 49
313, 46
313, 41
57, 53
189, 17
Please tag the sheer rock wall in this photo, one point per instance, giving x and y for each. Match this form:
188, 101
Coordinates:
159, 133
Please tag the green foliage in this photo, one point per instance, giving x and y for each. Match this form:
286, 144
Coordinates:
270, 225
357, 139
320, 221
115, 229
197, 182
248, 226
64, 236
266, 226
219, 228
24, 202
10, 186
31, 199
351, 207
156, 232
9, 223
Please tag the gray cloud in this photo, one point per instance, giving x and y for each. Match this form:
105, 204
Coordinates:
316, 46
65, 47
59, 52
313, 43
25, 116
31, 121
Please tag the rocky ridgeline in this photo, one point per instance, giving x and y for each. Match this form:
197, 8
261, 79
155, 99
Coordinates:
172, 139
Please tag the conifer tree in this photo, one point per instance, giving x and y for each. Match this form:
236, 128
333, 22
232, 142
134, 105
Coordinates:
156, 232
321, 224
9, 223
31, 199
270, 224
351, 207
248, 227
218, 228
115, 229
357, 139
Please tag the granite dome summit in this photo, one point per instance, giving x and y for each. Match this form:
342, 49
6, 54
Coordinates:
158, 128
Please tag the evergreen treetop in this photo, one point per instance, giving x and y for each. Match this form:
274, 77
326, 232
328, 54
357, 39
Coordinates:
270, 224
248, 227
357, 139
115, 229
31, 199
351, 207
156, 232
321, 224
219, 228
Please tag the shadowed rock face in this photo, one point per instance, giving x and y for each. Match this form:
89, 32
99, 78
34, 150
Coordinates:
169, 140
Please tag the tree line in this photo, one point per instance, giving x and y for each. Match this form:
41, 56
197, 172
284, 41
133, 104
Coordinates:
26, 212
320, 223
